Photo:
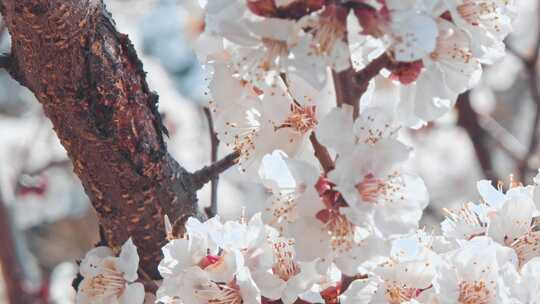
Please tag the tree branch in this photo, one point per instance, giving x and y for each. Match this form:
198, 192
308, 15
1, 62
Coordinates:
530, 64
5, 61
206, 174
468, 119
2, 29
502, 138
348, 91
351, 85
93, 88
364, 76
531, 67
212, 210
322, 154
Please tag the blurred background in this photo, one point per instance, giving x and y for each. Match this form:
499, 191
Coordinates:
46, 215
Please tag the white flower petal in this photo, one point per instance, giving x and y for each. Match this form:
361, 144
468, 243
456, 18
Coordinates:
359, 292
133, 294
128, 261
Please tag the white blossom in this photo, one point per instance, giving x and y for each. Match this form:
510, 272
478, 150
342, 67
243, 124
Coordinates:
366, 174
110, 279
206, 265
284, 277
488, 22
323, 44
255, 121
447, 71
273, 70
523, 285
472, 274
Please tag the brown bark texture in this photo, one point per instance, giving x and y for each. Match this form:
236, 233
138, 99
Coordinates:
92, 86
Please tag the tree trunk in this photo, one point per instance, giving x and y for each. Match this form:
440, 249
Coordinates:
92, 86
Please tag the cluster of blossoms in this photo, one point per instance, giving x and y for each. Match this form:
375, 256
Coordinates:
269, 64
488, 253
346, 231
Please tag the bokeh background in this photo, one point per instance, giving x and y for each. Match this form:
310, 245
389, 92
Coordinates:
44, 208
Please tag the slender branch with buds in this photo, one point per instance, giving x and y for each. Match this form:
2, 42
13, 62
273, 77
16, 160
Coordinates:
212, 210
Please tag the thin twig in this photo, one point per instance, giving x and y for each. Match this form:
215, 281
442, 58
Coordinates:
351, 85
468, 119
533, 143
503, 138
206, 174
3, 29
364, 76
346, 281
5, 61
322, 154
213, 209
531, 67
348, 91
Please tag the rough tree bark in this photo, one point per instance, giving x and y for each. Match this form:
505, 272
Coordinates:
92, 86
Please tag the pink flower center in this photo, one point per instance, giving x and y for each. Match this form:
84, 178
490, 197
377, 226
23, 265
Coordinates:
370, 188
210, 260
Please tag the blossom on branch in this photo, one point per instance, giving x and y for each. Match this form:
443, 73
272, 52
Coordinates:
110, 279
314, 96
